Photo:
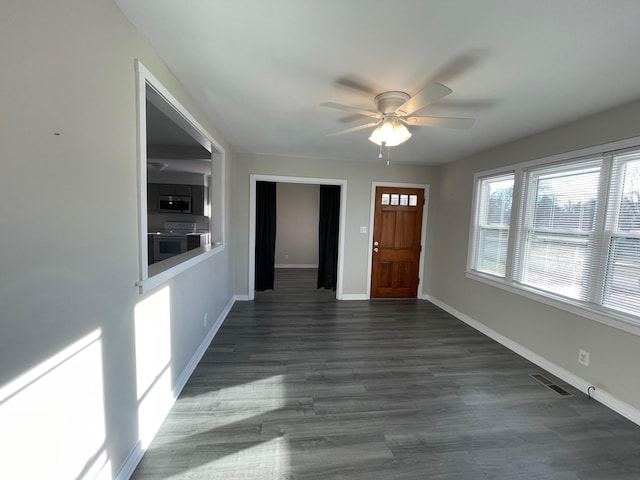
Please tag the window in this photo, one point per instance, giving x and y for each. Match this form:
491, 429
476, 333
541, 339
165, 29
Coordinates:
557, 234
573, 236
493, 218
180, 186
622, 280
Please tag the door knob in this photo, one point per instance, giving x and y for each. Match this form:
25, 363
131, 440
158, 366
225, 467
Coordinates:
375, 244
375, 249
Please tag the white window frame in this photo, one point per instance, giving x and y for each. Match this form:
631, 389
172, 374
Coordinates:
477, 227
592, 308
152, 276
526, 226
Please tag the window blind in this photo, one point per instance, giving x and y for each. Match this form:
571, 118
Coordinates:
492, 224
558, 228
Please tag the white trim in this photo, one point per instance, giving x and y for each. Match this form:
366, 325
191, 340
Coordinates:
131, 462
188, 370
296, 265
354, 296
137, 452
182, 117
253, 178
241, 298
602, 396
472, 251
173, 266
141, 128
423, 238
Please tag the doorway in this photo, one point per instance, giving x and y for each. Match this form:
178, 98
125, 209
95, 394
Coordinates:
254, 180
396, 242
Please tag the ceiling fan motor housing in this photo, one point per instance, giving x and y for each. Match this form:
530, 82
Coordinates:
389, 102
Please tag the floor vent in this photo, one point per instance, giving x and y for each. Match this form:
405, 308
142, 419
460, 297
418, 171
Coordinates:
549, 384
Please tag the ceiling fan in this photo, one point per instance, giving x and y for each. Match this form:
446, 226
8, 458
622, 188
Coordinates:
396, 109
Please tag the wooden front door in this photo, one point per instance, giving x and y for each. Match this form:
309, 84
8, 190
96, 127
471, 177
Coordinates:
397, 230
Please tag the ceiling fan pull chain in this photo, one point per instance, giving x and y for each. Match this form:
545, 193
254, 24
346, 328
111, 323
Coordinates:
388, 155
380, 154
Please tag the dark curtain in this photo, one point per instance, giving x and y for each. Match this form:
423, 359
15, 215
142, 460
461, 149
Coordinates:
265, 234
329, 225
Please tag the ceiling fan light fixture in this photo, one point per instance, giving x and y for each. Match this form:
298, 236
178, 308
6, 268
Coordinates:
391, 133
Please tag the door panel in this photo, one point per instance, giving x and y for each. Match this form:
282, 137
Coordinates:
405, 230
384, 274
396, 236
387, 235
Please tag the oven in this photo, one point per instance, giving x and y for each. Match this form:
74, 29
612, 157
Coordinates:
177, 238
167, 245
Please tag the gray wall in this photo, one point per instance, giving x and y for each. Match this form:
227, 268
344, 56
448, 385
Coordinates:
554, 334
359, 182
298, 209
68, 202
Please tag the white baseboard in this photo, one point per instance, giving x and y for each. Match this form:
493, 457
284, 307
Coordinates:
131, 462
199, 353
602, 396
296, 265
241, 298
354, 296
136, 454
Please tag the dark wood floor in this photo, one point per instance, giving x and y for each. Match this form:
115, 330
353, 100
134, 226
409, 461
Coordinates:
299, 386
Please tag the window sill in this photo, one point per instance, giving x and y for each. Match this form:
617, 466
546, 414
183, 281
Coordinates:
164, 271
619, 321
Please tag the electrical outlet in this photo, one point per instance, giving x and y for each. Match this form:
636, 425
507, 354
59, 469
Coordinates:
363, 229
286, 257
583, 357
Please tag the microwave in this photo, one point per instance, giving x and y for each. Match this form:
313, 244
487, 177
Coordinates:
174, 204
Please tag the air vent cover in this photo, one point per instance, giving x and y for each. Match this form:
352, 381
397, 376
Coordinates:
549, 384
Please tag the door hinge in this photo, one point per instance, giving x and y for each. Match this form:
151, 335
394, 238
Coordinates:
420, 248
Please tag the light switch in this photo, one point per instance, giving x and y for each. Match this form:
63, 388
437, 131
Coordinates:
363, 229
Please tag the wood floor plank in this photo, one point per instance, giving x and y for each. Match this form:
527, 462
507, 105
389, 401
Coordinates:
299, 386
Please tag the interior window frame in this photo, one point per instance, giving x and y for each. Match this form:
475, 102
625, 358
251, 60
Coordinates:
151, 276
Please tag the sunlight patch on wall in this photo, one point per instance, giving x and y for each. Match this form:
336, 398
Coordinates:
153, 362
52, 417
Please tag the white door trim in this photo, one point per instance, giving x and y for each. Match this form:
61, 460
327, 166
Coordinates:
423, 233
253, 178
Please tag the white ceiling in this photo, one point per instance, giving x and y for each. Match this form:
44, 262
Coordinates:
259, 69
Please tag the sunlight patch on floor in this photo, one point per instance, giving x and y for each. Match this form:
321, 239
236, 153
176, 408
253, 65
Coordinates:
266, 460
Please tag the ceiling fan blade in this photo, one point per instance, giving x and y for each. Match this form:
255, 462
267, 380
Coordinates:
444, 122
349, 108
354, 82
429, 94
460, 65
353, 129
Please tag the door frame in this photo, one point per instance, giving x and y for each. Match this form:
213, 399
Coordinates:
253, 178
423, 233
